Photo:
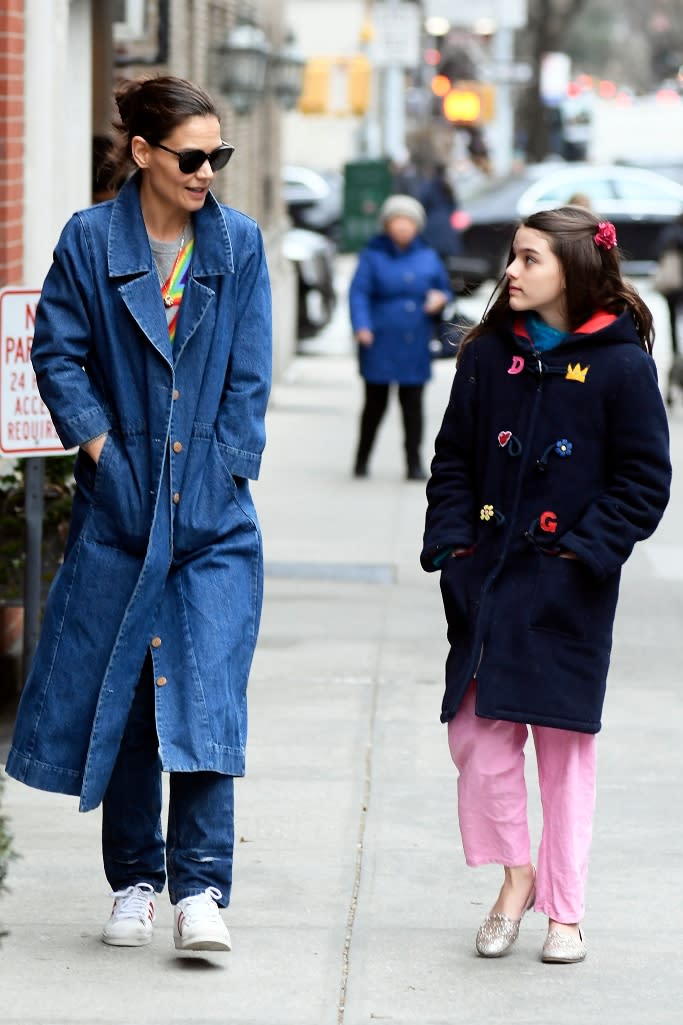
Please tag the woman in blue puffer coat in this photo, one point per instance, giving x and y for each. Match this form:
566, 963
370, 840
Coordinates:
398, 288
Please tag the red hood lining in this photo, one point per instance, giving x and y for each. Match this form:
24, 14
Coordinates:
595, 323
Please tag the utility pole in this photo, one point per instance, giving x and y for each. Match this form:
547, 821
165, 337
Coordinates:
368, 137
394, 105
391, 34
503, 127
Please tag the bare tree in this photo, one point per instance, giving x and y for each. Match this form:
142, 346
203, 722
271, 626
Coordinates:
548, 23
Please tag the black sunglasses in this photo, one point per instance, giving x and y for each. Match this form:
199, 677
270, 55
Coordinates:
190, 160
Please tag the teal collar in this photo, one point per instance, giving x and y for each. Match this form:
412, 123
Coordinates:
542, 335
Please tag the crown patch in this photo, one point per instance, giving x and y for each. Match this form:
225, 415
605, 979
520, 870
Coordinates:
576, 373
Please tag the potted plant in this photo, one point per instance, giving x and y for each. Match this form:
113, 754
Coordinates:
5, 842
6, 851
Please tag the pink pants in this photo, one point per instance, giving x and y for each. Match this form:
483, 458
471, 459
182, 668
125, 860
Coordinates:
492, 803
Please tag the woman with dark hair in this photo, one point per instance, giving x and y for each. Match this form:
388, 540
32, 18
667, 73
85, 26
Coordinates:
440, 204
152, 351
551, 463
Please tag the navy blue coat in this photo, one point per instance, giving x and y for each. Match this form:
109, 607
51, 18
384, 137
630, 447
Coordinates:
540, 453
387, 295
439, 204
164, 552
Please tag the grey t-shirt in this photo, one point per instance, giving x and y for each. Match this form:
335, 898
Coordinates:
165, 254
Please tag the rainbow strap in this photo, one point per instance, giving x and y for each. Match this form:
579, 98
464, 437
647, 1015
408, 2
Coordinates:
174, 286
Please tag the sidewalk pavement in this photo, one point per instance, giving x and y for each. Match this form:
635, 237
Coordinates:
351, 900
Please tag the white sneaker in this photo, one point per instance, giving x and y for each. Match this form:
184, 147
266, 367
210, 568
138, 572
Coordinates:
132, 917
198, 924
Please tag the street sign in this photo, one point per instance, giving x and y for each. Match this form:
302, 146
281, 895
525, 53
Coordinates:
554, 78
396, 40
506, 72
25, 425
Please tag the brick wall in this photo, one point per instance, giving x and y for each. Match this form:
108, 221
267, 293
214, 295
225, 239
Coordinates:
11, 141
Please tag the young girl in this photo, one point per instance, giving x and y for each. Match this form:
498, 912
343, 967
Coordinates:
551, 462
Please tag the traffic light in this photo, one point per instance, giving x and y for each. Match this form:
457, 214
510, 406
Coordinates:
470, 102
359, 84
314, 88
440, 85
336, 85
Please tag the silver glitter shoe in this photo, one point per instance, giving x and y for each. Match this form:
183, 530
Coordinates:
496, 935
498, 931
563, 948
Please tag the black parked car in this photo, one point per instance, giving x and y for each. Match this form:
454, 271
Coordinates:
313, 257
639, 203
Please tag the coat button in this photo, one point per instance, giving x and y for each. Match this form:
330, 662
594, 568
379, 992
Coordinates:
161, 681
176, 497
177, 446
176, 394
156, 642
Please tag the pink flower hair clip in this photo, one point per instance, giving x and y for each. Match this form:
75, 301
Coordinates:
606, 235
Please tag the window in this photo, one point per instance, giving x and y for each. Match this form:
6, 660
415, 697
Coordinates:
130, 20
646, 189
597, 189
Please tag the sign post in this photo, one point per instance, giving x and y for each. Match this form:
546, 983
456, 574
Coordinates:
34, 483
395, 47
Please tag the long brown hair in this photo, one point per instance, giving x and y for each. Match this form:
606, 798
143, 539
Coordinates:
593, 279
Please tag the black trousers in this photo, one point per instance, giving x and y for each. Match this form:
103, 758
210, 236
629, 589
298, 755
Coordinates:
376, 400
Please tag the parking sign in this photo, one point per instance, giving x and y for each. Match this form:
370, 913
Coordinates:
25, 425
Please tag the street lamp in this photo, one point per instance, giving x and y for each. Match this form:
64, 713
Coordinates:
437, 26
246, 68
287, 70
242, 63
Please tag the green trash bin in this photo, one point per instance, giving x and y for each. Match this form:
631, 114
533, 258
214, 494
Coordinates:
367, 183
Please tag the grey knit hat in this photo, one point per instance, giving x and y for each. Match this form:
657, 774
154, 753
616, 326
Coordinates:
402, 206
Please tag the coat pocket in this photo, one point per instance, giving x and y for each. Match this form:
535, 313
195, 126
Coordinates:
455, 585
122, 502
570, 601
207, 510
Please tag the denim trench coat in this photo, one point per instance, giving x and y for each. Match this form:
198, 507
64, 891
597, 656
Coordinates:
540, 453
164, 551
